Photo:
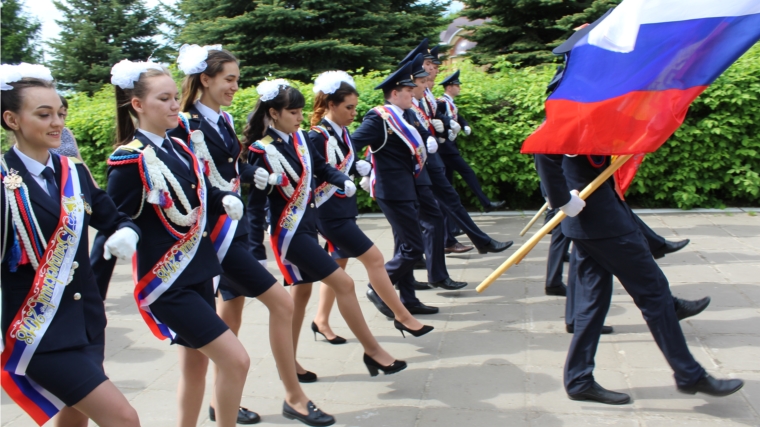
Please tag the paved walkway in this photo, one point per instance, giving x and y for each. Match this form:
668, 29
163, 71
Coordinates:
495, 358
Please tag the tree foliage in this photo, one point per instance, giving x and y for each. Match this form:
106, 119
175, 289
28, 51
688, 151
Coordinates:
525, 31
300, 38
96, 34
19, 33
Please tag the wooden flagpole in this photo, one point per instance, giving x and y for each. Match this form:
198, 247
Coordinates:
535, 218
533, 241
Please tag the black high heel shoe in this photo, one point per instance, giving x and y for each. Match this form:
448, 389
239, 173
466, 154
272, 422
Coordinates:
334, 341
417, 333
315, 417
373, 366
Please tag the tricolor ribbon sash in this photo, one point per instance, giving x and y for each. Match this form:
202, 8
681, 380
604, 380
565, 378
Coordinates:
170, 266
327, 190
431, 99
424, 119
54, 267
291, 216
451, 109
408, 135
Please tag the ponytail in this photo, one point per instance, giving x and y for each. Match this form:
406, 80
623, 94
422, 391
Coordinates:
126, 116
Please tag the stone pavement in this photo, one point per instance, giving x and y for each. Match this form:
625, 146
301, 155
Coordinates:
494, 358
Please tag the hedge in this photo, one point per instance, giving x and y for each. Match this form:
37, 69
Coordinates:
713, 160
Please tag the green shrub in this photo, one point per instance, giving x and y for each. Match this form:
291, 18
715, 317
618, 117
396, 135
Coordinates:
713, 160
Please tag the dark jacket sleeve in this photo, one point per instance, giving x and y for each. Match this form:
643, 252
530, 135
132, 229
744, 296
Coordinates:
215, 196
246, 171
258, 196
125, 188
552, 178
105, 216
440, 113
370, 132
462, 121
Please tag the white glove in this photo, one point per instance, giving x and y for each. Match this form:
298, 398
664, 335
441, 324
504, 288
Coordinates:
364, 184
432, 146
574, 206
349, 188
438, 125
467, 130
452, 135
233, 206
455, 126
74, 266
363, 167
441, 140
122, 244
260, 178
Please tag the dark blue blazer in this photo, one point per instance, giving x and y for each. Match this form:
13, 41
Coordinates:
601, 218
126, 189
433, 159
77, 321
394, 164
224, 158
411, 117
449, 147
338, 206
321, 172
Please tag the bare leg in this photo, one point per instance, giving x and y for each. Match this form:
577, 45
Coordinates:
231, 312
301, 294
343, 286
375, 265
326, 301
70, 417
192, 383
280, 306
106, 406
230, 356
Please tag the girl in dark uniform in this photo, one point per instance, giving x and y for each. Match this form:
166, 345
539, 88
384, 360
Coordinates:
211, 82
285, 167
53, 318
334, 110
160, 183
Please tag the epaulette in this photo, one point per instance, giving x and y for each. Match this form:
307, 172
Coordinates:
126, 154
322, 130
260, 145
75, 160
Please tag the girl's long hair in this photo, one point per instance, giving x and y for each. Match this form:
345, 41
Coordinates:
126, 116
322, 101
191, 85
288, 98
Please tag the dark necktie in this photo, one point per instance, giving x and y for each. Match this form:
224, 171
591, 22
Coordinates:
52, 189
225, 133
173, 154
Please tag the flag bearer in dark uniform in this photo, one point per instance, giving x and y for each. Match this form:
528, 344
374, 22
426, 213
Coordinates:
449, 151
54, 368
398, 155
211, 82
608, 243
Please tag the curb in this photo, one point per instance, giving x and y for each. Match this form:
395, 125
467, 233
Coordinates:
637, 211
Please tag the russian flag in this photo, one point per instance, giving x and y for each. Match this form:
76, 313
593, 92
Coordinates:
631, 78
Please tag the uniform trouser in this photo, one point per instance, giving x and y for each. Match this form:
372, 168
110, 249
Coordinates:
432, 223
554, 264
455, 213
654, 240
628, 258
455, 163
403, 217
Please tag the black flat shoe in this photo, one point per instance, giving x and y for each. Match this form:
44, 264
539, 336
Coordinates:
560, 290
670, 247
421, 309
417, 333
494, 205
421, 286
308, 377
599, 394
336, 340
449, 285
686, 308
713, 387
379, 304
315, 417
373, 367
244, 416
493, 246
605, 329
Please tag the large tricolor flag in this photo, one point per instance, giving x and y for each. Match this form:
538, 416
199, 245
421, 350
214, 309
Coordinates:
630, 80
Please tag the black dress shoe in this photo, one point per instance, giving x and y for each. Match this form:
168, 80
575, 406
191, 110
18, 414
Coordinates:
315, 417
686, 308
421, 309
244, 416
373, 367
670, 247
494, 246
308, 377
379, 304
713, 387
421, 286
457, 248
494, 205
559, 290
605, 329
420, 265
449, 285
336, 340
599, 394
